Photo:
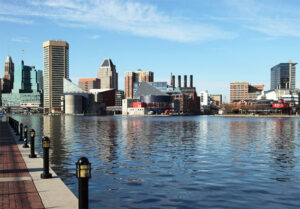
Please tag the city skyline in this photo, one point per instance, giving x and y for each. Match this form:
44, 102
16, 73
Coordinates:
218, 43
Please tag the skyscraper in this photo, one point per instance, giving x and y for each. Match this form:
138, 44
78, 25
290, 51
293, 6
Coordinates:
56, 68
283, 76
132, 80
8, 78
108, 75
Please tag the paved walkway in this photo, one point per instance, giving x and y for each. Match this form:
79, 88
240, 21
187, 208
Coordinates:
17, 189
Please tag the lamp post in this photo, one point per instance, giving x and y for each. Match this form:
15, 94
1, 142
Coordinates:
32, 135
21, 132
25, 137
83, 173
46, 146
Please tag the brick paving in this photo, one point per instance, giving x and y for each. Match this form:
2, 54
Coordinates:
15, 194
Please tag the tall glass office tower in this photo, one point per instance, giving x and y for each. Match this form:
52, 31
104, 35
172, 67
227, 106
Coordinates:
283, 76
56, 68
26, 91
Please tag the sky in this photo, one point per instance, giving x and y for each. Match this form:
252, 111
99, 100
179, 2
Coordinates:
217, 41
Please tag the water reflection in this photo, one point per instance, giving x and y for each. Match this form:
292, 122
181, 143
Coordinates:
178, 162
283, 147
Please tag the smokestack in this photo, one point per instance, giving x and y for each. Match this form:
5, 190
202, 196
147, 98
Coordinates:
179, 81
185, 81
173, 81
191, 81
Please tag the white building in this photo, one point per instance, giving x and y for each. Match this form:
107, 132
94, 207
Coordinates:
127, 104
204, 98
287, 95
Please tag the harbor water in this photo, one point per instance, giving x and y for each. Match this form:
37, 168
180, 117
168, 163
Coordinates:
177, 162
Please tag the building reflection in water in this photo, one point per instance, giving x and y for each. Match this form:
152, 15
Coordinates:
146, 137
107, 138
283, 143
266, 136
54, 128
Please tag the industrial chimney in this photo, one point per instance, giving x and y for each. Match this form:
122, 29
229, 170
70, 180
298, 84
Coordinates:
191, 81
179, 81
185, 81
173, 81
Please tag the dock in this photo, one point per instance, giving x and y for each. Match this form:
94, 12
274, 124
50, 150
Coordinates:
20, 183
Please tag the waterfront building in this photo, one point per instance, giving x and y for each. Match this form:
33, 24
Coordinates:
287, 95
244, 91
74, 100
216, 99
56, 68
89, 83
127, 104
133, 80
106, 96
108, 75
283, 76
8, 79
26, 89
77, 101
204, 98
119, 97
189, 100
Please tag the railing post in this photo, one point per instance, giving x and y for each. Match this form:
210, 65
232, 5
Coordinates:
21, 132
83, 173
46, 146
25, 137
32, 136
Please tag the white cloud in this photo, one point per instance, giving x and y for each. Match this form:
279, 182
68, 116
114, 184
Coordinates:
15, 20
142, 19
96, 36
20, 39
273, 18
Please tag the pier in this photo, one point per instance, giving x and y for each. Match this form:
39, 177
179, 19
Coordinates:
20, 183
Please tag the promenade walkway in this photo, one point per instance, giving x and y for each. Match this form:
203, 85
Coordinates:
17, 189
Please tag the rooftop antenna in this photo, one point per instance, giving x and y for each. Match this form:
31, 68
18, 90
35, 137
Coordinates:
22, 52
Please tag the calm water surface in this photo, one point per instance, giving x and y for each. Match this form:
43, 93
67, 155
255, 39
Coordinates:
178, 162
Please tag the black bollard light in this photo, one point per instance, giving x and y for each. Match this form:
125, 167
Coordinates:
46, 146
32, 136
25, 137
21, 132
83, 173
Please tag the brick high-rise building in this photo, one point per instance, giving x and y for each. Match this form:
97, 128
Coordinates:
108, 75
132, 79
244, 91
89, 83
56, 68
7, 81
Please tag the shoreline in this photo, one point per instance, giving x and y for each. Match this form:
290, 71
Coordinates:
53, 191
257, 116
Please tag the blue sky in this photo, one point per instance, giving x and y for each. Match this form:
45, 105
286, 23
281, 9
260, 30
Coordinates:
218, 41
